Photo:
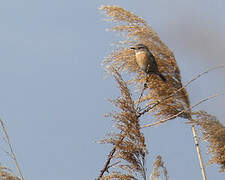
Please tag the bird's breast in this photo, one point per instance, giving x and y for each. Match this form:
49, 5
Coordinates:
142, 60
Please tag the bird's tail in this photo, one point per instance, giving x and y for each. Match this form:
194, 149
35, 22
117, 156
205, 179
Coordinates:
162, 77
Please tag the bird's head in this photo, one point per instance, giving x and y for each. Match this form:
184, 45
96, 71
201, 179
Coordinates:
140, 48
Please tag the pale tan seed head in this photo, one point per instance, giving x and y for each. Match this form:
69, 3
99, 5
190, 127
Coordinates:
136, 31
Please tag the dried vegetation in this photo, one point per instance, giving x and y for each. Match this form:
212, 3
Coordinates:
213, 132
163, 100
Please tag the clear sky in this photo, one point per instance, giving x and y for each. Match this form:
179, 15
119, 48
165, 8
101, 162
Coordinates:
53, 94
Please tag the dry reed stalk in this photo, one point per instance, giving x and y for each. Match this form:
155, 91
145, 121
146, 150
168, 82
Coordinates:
166, 101
11, 149
188, 109
129, 143
213, 132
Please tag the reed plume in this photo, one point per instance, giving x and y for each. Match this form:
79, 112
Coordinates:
158, 164
164, 100
138, 31
213, 132
129, 142
6, 174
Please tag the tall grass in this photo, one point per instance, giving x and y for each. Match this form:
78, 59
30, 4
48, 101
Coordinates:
162, 100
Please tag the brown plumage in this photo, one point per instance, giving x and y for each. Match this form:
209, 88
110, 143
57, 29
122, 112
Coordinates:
146, 61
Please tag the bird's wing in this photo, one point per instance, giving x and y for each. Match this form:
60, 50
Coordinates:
153, 60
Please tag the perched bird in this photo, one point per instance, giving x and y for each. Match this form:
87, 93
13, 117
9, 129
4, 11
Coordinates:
146, 61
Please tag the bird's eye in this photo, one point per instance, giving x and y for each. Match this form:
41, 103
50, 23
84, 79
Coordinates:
140, 47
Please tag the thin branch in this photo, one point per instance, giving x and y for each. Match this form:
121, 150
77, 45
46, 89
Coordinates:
181, 112
11, 149
114, 164
198, 152
204, 72
143, 167
106, 166
142, 92
148, 107
110, 156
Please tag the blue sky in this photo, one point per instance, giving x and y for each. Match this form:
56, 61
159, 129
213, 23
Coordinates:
53, 94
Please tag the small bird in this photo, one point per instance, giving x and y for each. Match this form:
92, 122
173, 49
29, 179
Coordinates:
146, 61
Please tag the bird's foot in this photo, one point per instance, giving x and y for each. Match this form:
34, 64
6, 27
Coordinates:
145, 85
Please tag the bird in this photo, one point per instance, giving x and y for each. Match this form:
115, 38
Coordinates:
146, 61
